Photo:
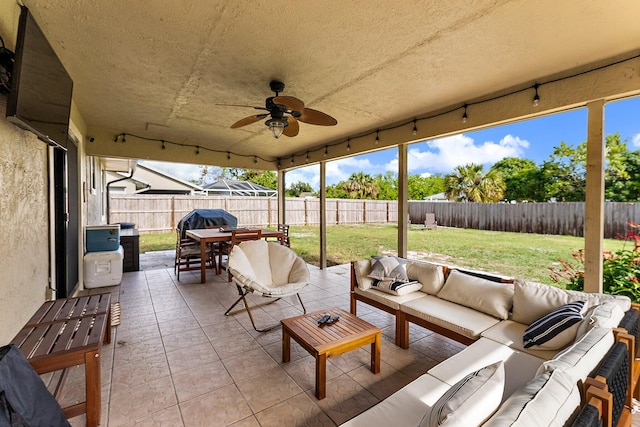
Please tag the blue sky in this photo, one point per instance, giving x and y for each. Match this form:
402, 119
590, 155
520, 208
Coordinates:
532, 139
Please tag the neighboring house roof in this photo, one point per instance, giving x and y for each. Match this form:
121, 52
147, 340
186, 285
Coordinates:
437, 197
229, 187
149, 180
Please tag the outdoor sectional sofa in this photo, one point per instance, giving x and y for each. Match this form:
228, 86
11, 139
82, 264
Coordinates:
496, 380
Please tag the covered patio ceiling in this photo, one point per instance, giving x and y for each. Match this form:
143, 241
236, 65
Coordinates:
158, 69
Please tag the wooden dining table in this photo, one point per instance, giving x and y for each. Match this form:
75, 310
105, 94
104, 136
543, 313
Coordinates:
211, 235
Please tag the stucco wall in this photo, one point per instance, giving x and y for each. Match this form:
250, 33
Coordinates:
24, 254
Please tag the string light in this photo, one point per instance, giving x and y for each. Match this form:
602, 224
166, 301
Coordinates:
163, 147
255, 160
197, 149
415, 128
349, 144
228, 155
291, 159
123, 139
464, 116
115, 138
307, 157
536, 98
377, 137
326, 150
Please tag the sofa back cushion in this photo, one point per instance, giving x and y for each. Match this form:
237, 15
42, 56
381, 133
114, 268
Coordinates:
431, 276
557, 329
362, 269
532, 300
605, 315
486, 296
550, 399
581, 358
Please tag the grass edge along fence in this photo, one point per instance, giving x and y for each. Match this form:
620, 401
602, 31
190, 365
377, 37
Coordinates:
161, 213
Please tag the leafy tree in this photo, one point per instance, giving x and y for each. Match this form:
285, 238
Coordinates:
471, 183
387, 186
420, 187
337, 191
521, 177
361, 186
625, 189
298, 188
267, 179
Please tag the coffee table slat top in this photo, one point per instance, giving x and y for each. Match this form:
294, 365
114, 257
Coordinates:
348, 329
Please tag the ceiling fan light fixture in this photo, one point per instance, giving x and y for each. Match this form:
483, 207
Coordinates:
276, 126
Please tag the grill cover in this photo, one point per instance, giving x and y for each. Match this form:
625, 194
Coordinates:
203, 218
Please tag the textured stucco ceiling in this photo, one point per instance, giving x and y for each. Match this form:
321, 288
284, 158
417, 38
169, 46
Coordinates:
157, 68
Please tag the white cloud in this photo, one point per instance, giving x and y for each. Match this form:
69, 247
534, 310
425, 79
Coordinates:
636, 140
444, 154
183, 171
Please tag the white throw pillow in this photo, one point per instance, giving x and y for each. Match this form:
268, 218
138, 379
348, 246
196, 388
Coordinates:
489, 297
557, 329
395, 288
471, 401
430, 275
388, 268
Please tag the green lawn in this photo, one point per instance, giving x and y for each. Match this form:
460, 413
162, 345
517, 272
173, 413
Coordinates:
527, 256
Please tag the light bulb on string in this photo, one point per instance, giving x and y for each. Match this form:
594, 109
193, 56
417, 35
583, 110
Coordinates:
348, 144
163, 147
536, 98
415, 128
326, 150
464, 116
377, 137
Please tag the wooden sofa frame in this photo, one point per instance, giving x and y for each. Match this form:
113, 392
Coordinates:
403, 319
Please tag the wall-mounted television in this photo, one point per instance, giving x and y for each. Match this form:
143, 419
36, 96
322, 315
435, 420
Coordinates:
41, 88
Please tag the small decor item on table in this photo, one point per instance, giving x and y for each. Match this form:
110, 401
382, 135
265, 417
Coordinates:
327, 319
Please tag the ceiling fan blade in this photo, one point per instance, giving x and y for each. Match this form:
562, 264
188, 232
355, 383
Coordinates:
248, 120
315, 117
293, 128
293, 104
239, 105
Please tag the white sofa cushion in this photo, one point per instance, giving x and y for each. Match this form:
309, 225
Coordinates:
549, 400
532, 300
510, 333
362, 269
388, 268
405, 407
492, 298
430, 275
392, 301
580, 359
457, 318
396, 288
557, 329
606, 315
519, 367
471, 401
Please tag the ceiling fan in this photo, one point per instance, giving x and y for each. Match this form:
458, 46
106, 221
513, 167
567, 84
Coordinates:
284, 112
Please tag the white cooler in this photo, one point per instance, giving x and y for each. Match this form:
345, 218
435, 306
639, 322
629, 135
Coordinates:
103, 268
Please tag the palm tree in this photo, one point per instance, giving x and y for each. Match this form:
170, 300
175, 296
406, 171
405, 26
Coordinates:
469, 182
361, 186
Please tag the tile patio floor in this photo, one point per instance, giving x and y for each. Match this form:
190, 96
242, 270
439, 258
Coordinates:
176, 360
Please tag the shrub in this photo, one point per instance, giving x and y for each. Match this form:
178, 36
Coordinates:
620, 269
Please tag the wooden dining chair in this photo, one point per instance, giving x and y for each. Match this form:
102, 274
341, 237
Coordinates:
188, 256
218, 248
285, 230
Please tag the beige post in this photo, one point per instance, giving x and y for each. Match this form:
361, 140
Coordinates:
594, 199
323, 215
403, 206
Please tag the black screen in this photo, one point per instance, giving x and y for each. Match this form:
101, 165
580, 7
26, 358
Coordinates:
40, 97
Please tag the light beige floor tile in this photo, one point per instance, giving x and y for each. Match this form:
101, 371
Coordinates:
184, 340
235, 344
345, 399
247, 422
383, 384
132, 403
303, 371
298, 411
169, 417
201, 380
221, 407
194, 356
145, 368
249, 364
269, 388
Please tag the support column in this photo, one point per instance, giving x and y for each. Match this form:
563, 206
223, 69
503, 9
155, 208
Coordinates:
323, 215
594, 198
281, 197
403, 206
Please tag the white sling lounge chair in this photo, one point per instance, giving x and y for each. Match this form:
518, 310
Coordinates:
266, 268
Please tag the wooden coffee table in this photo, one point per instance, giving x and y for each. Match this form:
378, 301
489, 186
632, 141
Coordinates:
323, 342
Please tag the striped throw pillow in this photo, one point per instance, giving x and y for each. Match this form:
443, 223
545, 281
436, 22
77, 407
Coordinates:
396, 288
557, 329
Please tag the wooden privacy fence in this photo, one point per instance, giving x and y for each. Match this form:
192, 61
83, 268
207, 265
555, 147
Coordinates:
161, 213
565, 218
